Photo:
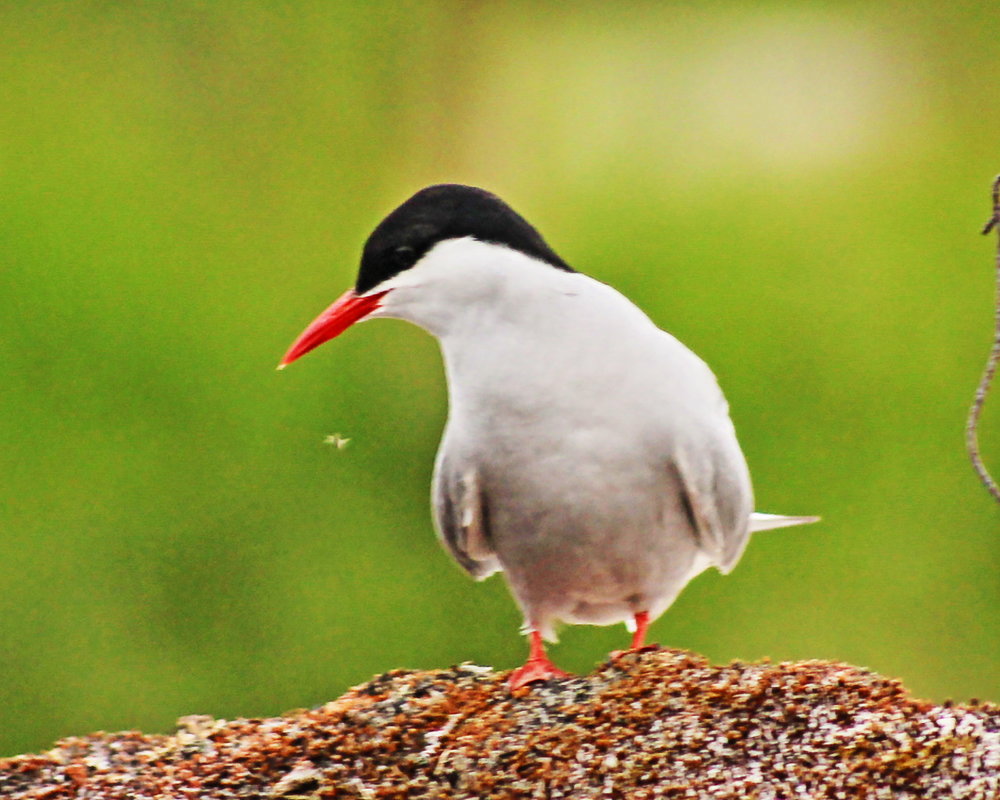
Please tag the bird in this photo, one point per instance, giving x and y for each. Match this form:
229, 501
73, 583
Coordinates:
588, 455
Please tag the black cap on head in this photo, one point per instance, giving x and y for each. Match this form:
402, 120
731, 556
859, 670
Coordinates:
446, 211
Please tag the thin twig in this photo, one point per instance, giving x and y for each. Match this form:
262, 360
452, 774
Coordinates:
971, 437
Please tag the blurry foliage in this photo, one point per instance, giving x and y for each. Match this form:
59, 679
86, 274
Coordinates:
793, 189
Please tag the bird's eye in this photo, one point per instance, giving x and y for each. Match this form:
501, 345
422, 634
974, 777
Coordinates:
404, 256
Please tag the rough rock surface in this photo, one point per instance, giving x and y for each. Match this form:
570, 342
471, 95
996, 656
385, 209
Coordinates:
653, 724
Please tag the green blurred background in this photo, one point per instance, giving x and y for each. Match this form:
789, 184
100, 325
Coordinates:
794, 189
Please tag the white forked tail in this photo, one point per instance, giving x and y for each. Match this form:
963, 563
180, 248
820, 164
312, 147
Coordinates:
765, 522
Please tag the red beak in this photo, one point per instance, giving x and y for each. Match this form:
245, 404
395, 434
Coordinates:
348, 309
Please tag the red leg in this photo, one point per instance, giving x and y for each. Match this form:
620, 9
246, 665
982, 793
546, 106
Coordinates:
536, 668
641, 623
639, 637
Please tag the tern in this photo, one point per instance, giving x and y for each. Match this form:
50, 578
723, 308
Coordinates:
588, 455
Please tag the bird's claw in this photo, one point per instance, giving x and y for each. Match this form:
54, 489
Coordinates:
534, 670
646, 648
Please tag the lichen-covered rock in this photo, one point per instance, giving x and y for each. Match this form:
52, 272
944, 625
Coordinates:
650, 725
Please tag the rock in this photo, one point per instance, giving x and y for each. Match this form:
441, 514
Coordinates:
661, 724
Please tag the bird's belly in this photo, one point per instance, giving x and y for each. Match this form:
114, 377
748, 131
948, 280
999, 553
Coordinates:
589, 543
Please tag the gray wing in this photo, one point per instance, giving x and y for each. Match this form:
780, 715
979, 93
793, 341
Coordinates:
718, 500
462, 517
